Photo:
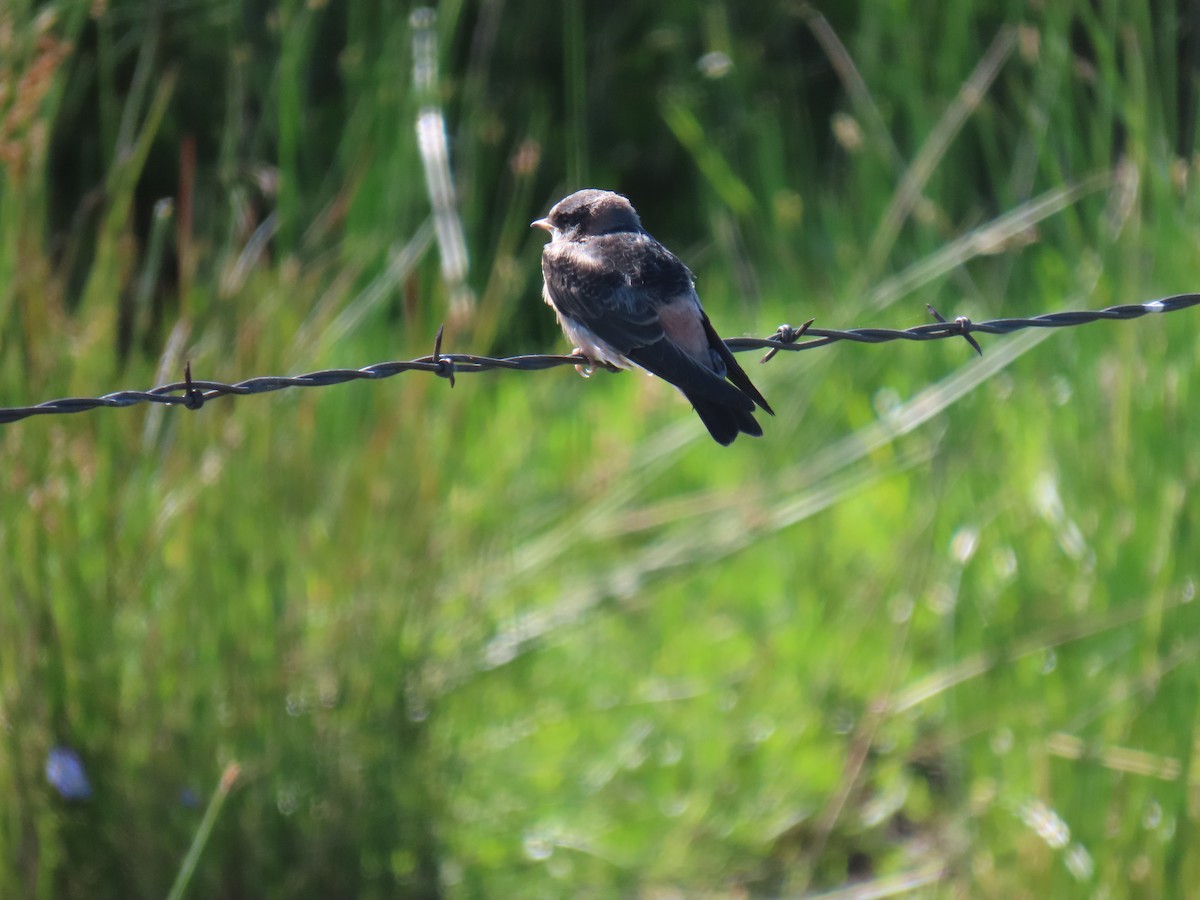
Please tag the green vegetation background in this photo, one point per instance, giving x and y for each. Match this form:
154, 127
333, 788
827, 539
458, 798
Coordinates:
538, 636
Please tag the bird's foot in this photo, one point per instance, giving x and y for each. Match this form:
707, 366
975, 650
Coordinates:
588, 367
590, 364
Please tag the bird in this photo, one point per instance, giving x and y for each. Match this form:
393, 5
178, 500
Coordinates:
627, 301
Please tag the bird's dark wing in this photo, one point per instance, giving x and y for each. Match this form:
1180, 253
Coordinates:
615, 286
668, 362
733, 370
588, 283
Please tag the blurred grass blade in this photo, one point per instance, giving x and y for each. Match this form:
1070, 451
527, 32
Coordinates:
934, 149
1014, 225
713, 166
435, 159
139, 84
120, 184
977, 664
224, 786
402, 259
575, 75
854, 85
164, 211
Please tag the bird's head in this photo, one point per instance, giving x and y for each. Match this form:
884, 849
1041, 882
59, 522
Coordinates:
588, 213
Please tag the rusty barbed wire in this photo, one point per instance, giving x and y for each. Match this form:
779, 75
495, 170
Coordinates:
193, 394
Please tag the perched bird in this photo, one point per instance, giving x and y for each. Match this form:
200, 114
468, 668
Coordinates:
626, 300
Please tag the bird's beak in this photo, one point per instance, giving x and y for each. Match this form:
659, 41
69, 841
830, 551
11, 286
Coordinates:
543, 224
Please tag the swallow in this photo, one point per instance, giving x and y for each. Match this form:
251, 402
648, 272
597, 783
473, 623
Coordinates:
627, 301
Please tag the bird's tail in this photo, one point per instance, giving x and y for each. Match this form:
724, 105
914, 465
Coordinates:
723, 422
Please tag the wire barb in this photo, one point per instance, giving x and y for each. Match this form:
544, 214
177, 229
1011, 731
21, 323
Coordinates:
962, 324
445, 365
785, 334
192, 398
194, 394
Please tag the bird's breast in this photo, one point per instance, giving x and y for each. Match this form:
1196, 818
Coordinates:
590, 344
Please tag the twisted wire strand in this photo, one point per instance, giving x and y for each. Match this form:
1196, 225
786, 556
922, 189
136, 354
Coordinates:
193, 394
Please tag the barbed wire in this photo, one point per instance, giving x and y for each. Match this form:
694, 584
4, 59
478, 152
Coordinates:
193, 394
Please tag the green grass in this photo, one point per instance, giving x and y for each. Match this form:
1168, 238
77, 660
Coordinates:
538, 636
